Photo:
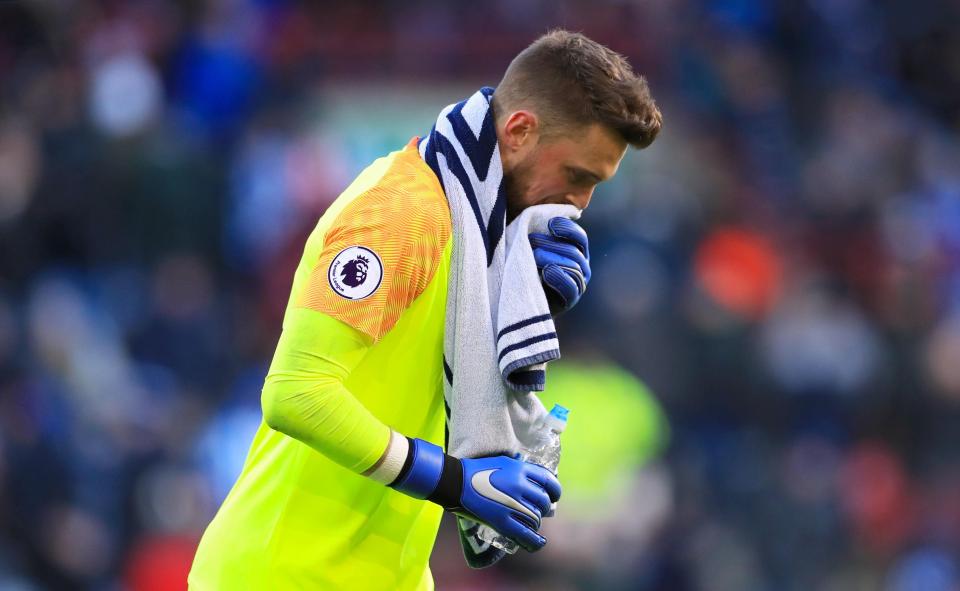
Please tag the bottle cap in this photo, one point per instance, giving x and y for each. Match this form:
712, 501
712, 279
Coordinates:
557, 419
559, 412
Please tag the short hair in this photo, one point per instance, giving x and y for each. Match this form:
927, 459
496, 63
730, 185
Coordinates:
570, 80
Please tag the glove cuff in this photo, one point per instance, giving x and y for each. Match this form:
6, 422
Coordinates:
450, 488
422, 469
430, 474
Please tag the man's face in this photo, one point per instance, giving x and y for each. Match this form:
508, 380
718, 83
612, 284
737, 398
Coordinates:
561, 169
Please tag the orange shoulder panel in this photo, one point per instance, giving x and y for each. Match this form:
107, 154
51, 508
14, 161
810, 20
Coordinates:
383, 249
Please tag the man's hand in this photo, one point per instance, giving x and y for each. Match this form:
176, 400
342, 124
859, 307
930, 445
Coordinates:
563, 259
508, 494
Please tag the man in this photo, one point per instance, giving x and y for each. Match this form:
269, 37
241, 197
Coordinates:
354, 401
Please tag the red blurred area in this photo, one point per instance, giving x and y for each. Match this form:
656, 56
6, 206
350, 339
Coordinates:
160, 563
740, 270
877, 498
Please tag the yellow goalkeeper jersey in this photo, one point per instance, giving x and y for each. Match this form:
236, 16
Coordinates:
368, 298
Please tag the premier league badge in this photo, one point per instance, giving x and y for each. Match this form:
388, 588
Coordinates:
355, 272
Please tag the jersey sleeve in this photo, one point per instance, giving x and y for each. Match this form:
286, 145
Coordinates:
304, 395
378, 256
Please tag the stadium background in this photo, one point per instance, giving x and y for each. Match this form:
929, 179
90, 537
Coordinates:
781, 269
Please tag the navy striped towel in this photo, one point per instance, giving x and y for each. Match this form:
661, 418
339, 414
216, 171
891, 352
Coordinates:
499, 333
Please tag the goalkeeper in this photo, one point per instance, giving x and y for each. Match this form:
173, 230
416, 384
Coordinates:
345, 481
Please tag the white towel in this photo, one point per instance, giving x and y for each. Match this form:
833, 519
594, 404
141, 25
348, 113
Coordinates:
499, 332
497, 348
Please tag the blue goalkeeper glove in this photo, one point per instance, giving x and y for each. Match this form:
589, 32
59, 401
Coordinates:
507, 494
563, 259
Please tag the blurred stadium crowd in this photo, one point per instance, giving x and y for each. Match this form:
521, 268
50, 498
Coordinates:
781, 268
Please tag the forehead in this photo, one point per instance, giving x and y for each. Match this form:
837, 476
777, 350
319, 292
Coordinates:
596, 148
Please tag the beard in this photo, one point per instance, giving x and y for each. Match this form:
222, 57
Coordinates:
516, 183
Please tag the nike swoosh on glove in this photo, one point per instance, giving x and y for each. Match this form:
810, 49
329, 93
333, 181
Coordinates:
507, 494
563, 259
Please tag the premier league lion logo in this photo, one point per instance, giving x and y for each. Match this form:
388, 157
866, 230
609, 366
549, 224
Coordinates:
354, 273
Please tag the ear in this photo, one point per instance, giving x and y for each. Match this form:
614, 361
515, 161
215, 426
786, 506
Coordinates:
520, 129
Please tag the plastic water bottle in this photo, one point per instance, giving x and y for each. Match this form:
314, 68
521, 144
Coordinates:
545, 452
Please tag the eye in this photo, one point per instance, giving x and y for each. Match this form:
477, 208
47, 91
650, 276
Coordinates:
580, 178
577, 178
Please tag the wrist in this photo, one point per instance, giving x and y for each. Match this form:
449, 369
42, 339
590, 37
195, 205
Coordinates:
391, 463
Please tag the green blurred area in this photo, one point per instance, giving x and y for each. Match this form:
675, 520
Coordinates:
615, 427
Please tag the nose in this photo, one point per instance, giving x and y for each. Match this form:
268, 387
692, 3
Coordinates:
581, 199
